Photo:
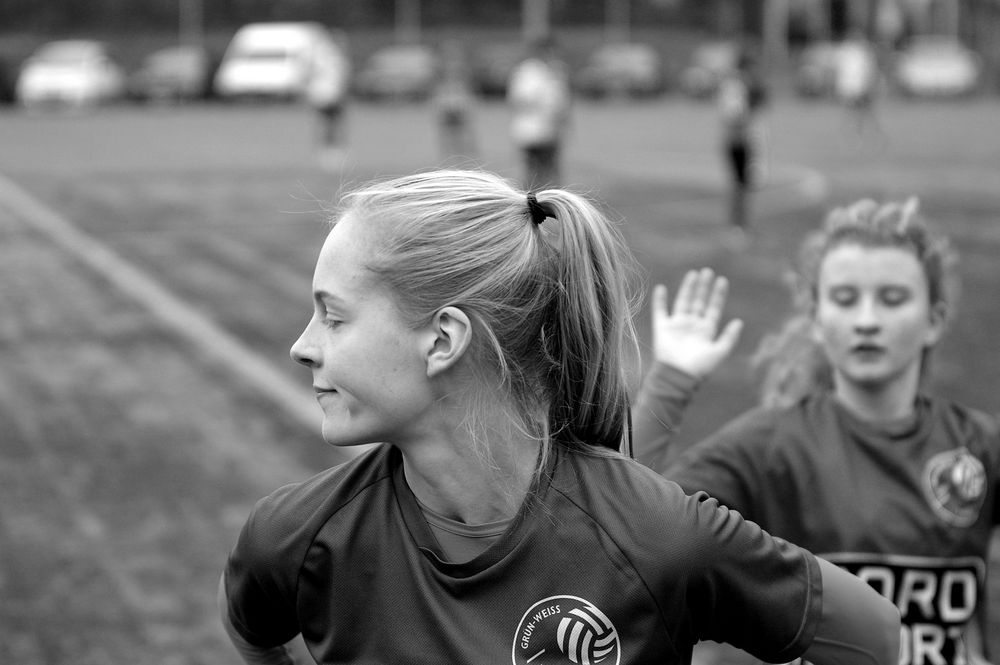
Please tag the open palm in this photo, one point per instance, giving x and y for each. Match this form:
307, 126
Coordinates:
688, 338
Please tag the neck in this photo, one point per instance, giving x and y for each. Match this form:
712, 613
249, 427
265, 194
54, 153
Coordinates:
452, 479
889, 401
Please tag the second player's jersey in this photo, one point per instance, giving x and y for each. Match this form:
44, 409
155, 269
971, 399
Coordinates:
608, 562
910, 508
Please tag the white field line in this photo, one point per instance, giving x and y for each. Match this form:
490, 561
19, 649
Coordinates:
208, 338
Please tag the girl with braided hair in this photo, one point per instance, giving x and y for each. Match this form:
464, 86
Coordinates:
847, 455
479, 337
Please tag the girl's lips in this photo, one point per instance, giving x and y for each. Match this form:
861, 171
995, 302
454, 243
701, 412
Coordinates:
867, 350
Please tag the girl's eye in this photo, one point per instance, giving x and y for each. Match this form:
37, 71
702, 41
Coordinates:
895, 295
331, 323
843, 296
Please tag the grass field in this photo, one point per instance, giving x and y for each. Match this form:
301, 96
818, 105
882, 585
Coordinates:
135, 438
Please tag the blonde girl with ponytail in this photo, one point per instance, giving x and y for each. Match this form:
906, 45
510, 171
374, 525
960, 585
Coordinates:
479, 337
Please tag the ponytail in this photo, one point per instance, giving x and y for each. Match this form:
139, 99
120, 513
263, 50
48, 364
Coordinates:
589, 327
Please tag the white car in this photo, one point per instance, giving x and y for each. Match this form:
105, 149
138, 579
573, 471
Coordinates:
937, 66
273, 60
74, 73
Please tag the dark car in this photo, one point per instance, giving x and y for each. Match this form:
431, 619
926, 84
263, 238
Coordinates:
710, 62
815, 73
173, 74
403, 72
492, 67
622, 70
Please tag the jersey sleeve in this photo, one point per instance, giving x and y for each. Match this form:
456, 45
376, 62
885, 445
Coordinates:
261, 576
664, 395
747, 588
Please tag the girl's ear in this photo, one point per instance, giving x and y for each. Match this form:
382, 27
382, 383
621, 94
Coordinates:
452, 334
937, 316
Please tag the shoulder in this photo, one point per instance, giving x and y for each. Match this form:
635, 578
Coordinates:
672, 537
288, 518
638, 508
758, 426
804, 416
971, 422
736, 461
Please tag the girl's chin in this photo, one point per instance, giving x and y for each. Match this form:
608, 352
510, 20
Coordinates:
869, 379
339, 438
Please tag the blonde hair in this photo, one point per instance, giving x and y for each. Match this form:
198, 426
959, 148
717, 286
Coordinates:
791, 362
551, 303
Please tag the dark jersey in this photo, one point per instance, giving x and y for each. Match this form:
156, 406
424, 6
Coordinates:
909, 509
605, 562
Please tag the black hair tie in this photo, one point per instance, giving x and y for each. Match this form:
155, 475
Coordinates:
539, 211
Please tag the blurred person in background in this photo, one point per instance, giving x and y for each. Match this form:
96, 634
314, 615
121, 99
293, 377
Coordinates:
480, 337
454, 101
326, 92
741, 97
539, 96
856, 82
847, 455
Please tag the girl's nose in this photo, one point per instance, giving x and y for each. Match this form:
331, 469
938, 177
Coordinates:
866, 317
303, 351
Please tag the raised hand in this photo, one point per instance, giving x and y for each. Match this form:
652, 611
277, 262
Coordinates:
688, 338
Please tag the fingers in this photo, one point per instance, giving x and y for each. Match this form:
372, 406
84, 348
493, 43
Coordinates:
704, 287
716, 299
730, 336
701, 293
660, 307
686, 293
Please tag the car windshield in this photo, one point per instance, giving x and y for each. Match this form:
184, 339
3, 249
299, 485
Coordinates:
936, 51
66, 53
264, 54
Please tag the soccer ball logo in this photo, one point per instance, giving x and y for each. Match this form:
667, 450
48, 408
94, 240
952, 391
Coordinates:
565, 629
586, 636
955, 486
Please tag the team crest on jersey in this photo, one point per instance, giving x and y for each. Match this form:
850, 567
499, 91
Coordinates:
955, 485
565, 629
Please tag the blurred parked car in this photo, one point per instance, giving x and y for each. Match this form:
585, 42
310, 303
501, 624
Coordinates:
709, 64
272, 60
402, 72
493, 66
73, 73
937, 66
622, 70
172, 74
815, 74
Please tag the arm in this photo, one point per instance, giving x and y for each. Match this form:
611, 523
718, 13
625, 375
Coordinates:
251, 654
687, 348
858, 627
